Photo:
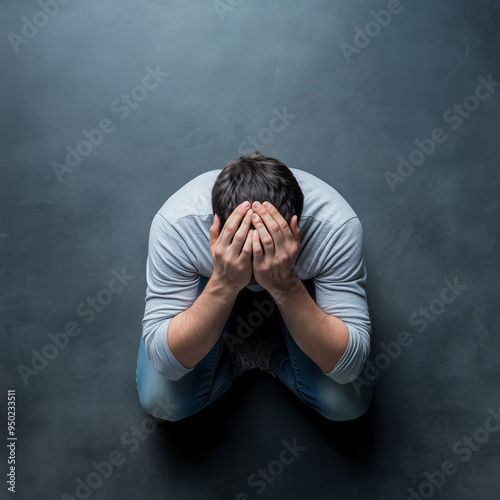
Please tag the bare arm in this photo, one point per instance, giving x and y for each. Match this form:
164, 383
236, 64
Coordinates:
193, 332
336, 339
320, 336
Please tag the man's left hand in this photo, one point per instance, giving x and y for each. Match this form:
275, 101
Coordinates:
275, 246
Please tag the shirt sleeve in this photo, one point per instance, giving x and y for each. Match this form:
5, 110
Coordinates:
340, 291
172, 286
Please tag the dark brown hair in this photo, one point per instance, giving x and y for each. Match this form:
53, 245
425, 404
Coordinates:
255, 177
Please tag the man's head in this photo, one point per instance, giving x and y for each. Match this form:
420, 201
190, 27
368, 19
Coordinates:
255, 177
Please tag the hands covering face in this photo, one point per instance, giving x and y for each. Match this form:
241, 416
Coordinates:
267, 252
275, 246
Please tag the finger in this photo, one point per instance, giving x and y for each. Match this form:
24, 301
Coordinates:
258, 253
264, 237
246, 251
241, 235
276, 225
214, 231
294, 226
232, 224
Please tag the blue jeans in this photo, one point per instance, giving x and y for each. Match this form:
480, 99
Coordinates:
213, 375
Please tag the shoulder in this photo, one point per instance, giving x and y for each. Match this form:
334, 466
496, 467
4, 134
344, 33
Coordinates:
325, 211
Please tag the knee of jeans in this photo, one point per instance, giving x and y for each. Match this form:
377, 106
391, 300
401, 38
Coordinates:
343, 413
348, 406
160, 406
340, 403
167, 406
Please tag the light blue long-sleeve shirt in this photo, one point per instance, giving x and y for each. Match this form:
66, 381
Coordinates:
330, 253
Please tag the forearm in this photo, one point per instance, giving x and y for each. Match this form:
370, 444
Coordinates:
192, 333
322, 337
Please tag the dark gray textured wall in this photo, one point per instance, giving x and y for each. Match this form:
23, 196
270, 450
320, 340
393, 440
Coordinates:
65, 230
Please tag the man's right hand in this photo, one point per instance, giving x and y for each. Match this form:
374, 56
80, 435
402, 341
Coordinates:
231, 249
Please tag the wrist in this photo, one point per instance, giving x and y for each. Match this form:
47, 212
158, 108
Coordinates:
221, 290
281, 292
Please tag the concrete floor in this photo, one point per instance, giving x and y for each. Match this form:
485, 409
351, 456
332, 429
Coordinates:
425, 74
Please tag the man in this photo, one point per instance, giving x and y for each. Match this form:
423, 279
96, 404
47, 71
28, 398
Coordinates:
236, 231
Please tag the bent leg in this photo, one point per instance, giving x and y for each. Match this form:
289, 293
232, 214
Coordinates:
306, 379
172, 400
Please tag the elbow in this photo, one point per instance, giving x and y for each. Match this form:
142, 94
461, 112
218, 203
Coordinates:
351, 364
163, 368
160, 356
